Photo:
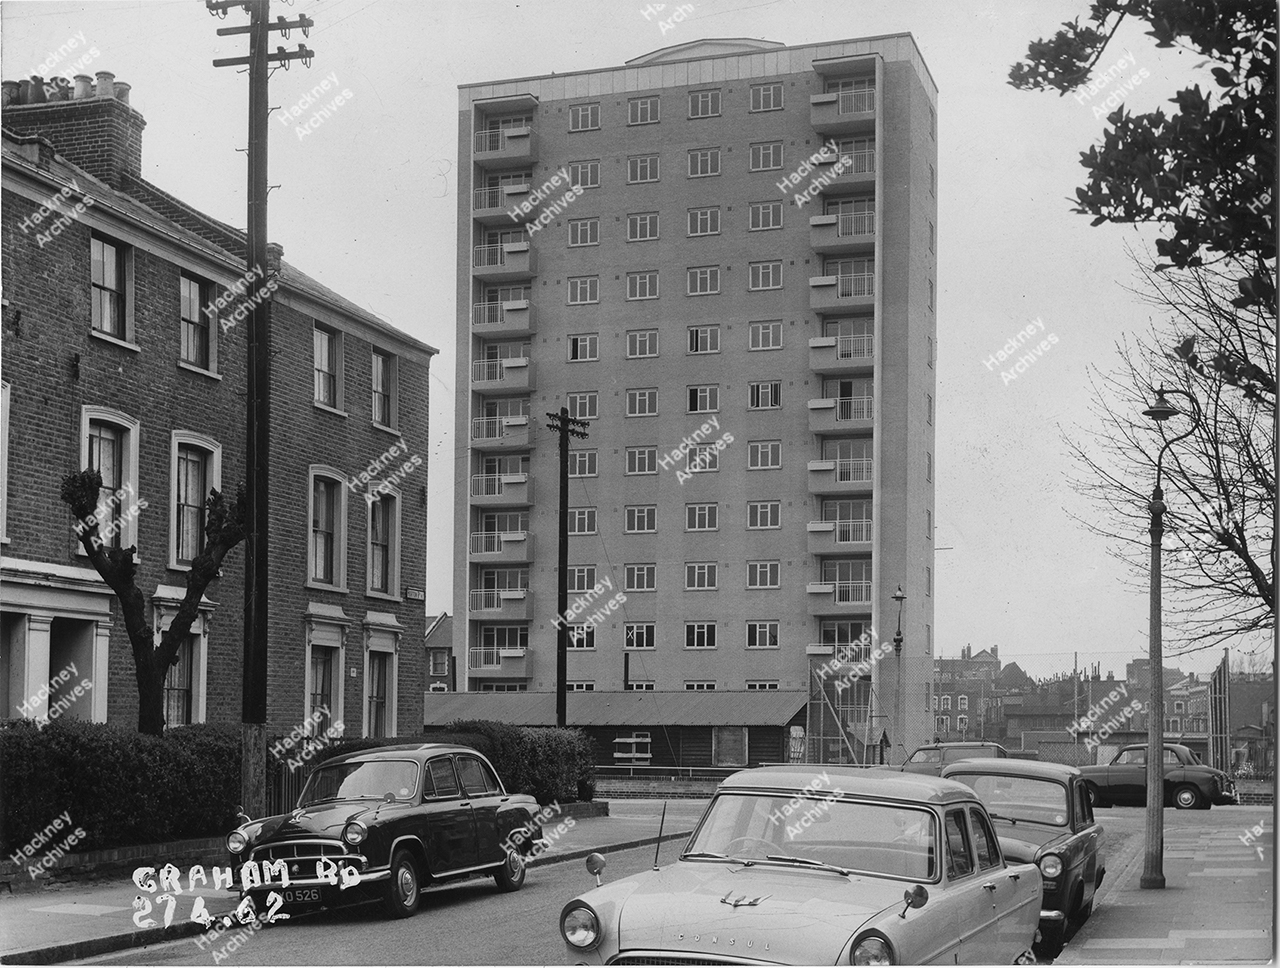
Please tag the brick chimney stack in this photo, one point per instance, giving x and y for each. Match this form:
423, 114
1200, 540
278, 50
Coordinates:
92, 125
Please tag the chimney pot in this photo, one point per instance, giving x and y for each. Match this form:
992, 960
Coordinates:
36, 95
122, 91
105, 88
84, 86
275, 252
24, 91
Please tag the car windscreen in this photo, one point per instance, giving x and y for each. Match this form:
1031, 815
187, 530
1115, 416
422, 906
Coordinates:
967, 753
368, 780
925, 756
1019, 797
889, 840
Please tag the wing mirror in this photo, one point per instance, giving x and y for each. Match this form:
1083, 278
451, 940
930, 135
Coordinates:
917, 897
242, 816
595, 864
388, 797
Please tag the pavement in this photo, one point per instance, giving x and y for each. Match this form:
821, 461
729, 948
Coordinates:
1215, 907
80, 921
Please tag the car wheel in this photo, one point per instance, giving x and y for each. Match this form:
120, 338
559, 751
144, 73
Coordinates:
402, 890
1095, 796
1082, 915
510, 876
1187, 797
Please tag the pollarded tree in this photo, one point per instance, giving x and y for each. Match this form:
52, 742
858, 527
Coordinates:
1220, 484
1206, 172
224, 529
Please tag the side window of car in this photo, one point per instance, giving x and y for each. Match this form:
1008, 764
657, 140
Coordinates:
1132, 757
1171, 757
959, 860
985, 839
1084, 811
490, 778
428, 784
473, 779
446, 783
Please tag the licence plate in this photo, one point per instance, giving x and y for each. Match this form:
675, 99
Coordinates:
302, 894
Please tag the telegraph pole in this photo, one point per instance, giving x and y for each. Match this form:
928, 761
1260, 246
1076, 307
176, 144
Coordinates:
253, 746
566, 426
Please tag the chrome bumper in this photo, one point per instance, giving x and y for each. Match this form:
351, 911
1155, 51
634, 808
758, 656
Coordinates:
1052, 915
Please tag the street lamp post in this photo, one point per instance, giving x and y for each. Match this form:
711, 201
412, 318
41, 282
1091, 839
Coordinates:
899, 596
1153, 867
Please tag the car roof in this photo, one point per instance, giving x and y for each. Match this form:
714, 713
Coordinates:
416, 751
850, 780
951, 746
1011, 767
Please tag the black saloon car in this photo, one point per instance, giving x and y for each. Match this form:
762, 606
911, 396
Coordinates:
1042, 816
402, 818
1188, 783
931, 758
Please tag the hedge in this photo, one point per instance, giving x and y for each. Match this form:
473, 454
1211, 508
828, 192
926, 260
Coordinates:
120, 786
551, 764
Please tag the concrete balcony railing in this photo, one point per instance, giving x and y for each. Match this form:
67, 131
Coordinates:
841, 293
504, 547
848, 476
499, 148
500, 433
843, 233
509, 262
513, 375
485, 662
492, 204
843, 112
839, 537
830, 415
847, 173
505, 318
839, 597
498, 604
840, 355
501, 490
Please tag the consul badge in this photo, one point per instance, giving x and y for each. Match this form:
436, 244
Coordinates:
743, 900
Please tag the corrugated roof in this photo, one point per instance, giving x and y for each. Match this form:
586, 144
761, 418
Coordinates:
764, 708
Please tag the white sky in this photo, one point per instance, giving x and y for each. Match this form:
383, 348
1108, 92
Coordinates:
367, 205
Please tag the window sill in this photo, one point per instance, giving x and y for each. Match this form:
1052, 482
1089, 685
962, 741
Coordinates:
184, 365
383, 427
383, 596
319, 586
328, 409
115, 341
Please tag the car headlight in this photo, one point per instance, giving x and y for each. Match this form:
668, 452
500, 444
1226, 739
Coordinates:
355, 832
1050, 865
580, 927
237, 842
871, 950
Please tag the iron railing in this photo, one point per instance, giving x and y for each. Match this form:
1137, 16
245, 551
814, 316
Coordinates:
854, 408
858, 102
855, 347
849, 285
851, 470
856, 223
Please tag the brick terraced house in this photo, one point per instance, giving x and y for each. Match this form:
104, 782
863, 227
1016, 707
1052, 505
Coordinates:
123, 349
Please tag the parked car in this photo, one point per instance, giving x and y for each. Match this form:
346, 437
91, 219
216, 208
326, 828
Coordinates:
819, 865
1188, 783
932, 757
404, 817
1042, 816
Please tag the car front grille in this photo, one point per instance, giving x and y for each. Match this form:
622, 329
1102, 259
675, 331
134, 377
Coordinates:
301, 855
679, 958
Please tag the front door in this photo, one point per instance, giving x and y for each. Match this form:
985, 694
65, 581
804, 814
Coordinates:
977, 907
1127, 778
451, 832
1012, 934
481, 788
1085, 824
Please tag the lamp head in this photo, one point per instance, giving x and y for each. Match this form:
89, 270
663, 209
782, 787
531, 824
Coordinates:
1161, 410
899, 596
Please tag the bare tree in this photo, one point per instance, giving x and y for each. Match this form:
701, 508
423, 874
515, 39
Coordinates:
224, 529
1220, 484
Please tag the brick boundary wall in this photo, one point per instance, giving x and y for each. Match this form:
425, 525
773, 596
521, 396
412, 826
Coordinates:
115, 862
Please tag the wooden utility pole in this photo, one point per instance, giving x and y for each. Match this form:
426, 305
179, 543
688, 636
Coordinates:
566, 426
253, 737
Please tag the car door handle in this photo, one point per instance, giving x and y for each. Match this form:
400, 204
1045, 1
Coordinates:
504, 799
465, 803
989, 886
1014, 876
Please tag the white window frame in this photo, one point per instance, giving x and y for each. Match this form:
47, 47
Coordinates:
651, 456
575, 400
574, 287
757, 221
762, 685
644, 169
208, 298
631, 570
766, 156
695, 276
703, 459
707, 634
701, 576
699, 156
326, 627
775, 99
575, 341
709, 99
380, 637
636, 337
637, 394
393, 578
758, 328
699, 685
764, 395
642, 285
696, 333
775, 514
763, 276
590, 167
393, 391
709, 211
213, 479
757, 450
339, 352
770, 629
702, 517
629, 636
165, 602
772, 571
591, 112
128, 460
653, 104
128, 291
580, 578
584, 462
584, 516
633, 515
340, 528
648, 221
703, 399
576, 225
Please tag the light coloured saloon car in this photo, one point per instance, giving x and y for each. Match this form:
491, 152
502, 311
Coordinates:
820, 865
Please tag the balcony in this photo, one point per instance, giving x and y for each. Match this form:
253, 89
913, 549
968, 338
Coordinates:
497, 149
842, 293
839, 537
501, 490
843, 112
845, 233
509, 262
842, 355
839, 597
497, 319
846, 476
502, 547
494, 205
847, 661
850, 172
514, 375
501, 604
485, 662
500, 433
837, 415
